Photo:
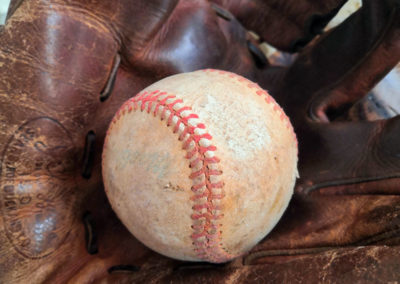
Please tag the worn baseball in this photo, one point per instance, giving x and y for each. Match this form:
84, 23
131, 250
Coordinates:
200, 166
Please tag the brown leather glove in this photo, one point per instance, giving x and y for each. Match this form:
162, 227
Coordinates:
66, 67
288, 25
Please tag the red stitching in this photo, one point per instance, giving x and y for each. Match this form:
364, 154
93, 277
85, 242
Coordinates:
206, 161
219, 184
218, 196
195, 162
209, 148
212, 160
199, 196
196, 174
198, 186
207, 216
209, 247
260, 92
206, 206
207, 235
189, 155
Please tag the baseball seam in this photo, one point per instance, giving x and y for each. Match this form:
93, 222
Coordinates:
205, 174
260, 92
207, 184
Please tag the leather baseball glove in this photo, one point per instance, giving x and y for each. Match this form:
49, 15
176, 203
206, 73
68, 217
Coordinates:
67, 65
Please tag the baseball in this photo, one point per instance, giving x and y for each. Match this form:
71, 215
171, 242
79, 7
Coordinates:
200, 166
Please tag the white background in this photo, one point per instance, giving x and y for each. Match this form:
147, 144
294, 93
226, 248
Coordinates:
3, 10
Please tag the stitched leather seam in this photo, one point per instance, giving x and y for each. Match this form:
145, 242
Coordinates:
267, 98
207, 234
260, 92
207, 184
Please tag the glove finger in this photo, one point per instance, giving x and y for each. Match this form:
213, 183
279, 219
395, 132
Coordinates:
343, 65
287, 25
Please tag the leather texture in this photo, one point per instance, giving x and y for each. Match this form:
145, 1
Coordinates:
67, 66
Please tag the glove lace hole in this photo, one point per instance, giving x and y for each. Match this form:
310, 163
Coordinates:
108, 88
123, 269
88, 155
90, 233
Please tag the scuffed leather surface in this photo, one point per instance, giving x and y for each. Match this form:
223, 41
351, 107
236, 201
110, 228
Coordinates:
56, 57
353, 265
